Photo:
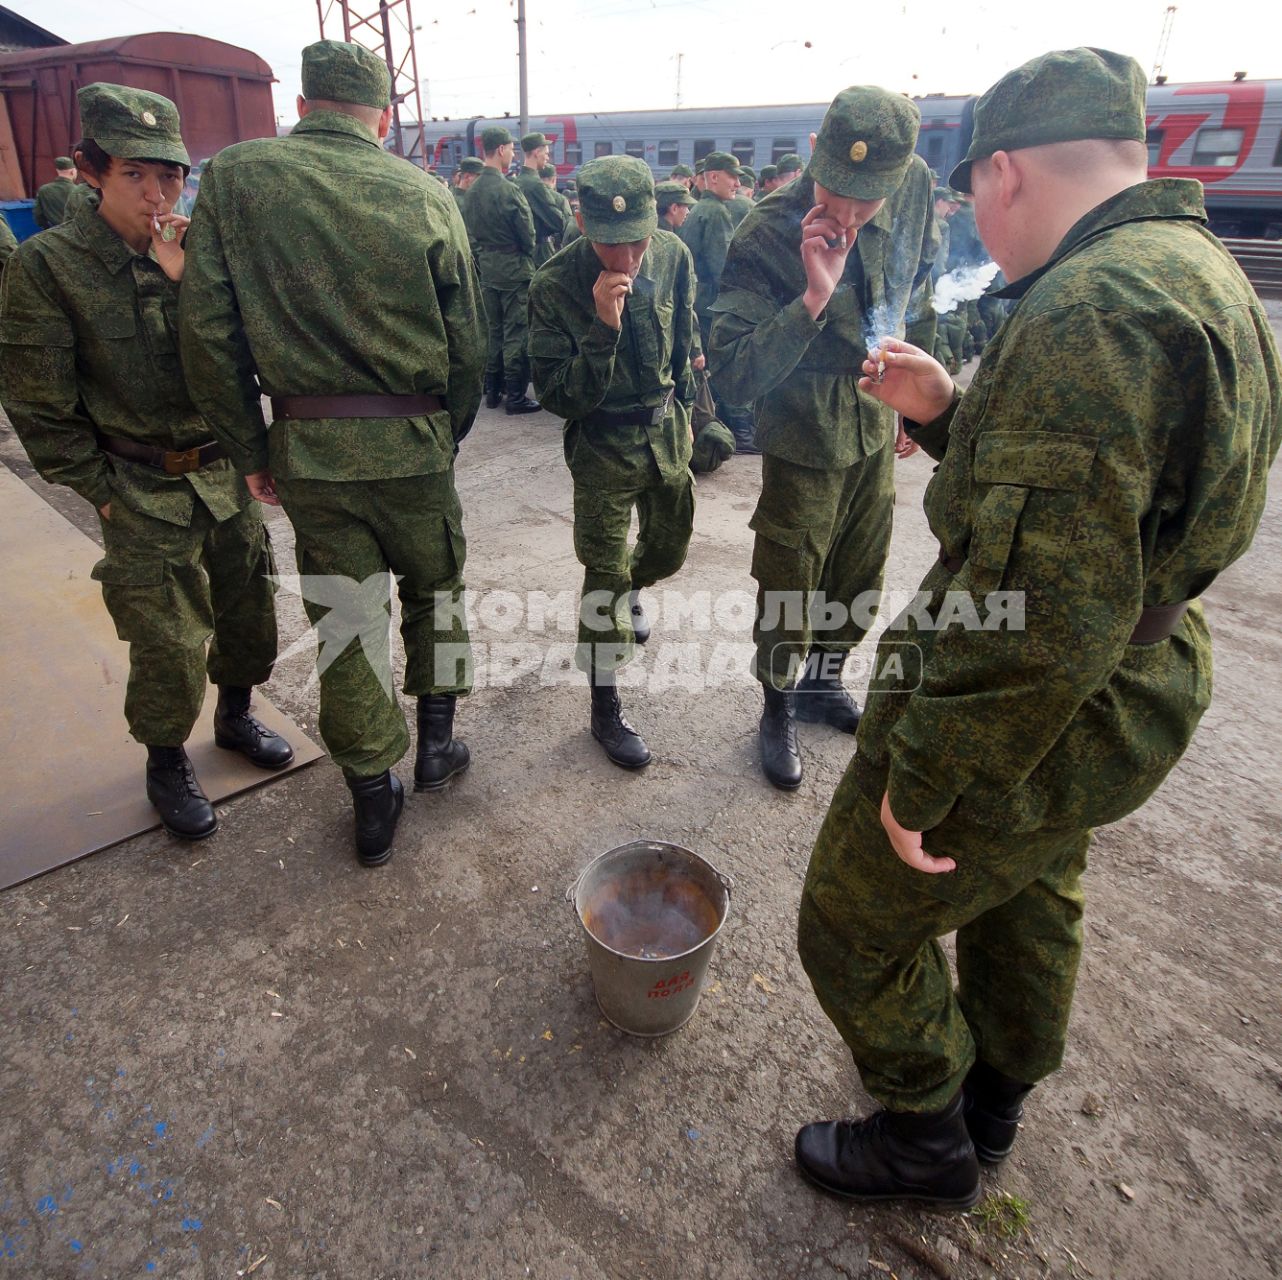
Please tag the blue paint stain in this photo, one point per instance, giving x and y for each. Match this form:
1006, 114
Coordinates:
161, 1128
76, 1246
205, 1138
75, 1013
70, 1037
134, 1169
120, 1073
66, 1194
222, 1053
151, 1266
46, 1206
192, 1224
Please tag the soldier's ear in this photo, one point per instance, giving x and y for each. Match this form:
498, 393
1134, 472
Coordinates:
578, 218
385, 123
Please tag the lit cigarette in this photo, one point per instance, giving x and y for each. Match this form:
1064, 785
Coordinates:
167, 232
881, 367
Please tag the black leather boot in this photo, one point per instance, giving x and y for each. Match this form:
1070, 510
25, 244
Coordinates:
745, 440
894, 1155
493, 390
780, 754
640, 623
821, 697
517, 400
176, 795
440, 756
377, 802
622, 743
994, 1106
236, 730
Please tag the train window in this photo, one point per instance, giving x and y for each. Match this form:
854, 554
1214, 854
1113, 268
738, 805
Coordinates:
1277, 155
702, 146
668, 151
934, 149
782, 146
634, 148
604, 149
1153, 140
742, 149
574, 153
1218, 148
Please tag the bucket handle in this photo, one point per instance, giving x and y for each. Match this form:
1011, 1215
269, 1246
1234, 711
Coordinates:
727, 882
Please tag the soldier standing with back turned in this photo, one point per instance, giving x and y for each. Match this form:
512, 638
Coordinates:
545, 208
501, 229
337, 279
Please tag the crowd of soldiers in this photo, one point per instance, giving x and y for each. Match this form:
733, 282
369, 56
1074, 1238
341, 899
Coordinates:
1107, 462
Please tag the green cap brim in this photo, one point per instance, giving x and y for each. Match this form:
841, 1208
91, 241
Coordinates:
618, 230
842, 180
144, 149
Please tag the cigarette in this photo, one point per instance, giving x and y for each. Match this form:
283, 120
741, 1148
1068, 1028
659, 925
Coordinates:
839, 242
881, 367
167, 232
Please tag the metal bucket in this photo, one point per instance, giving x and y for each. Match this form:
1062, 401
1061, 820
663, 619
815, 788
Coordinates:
650, 913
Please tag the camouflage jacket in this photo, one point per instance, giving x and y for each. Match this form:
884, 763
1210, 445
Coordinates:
580, 364
81, 194
320, 264
8, 241
1110, 454
802, 374
51, 200
545, 209
707, 233
88, 343
739, 208
501, 228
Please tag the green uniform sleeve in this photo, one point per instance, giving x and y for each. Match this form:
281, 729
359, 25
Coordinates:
8, 241
933, 435
521, 221
458, 291
755, 345
38, 382
1062, 475
685, 332
219, 367
545, 209
571, 372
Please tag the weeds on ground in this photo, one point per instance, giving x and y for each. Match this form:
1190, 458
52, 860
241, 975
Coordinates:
1002, 1215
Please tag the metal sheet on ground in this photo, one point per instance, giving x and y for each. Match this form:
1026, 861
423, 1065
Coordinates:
73, 777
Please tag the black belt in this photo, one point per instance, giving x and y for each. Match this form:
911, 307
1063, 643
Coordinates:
501, 248
357, 406
630, 418
173, 462
1157, 621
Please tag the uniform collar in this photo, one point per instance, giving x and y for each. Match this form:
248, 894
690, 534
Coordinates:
1160, 198
335, 122
106, 243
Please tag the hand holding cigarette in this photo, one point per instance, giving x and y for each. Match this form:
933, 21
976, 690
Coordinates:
825, 245
609, 294
166, 240
907, 379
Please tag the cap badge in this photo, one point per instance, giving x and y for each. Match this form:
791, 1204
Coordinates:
619, 204
858, 152
148, 119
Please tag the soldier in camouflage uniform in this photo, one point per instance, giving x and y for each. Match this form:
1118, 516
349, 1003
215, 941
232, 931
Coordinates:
801, 302
501, 229
326, 273
949, 328
90, 379
611, 325
1108, 461
8, 241
742, 203
51, 199
683, 174
469, 169
83, 193
549, 218
788, 169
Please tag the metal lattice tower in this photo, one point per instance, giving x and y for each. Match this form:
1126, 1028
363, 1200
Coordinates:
387, 30
1160, 60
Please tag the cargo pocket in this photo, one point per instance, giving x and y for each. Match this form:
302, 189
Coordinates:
1034, 480
457, 543
137, 598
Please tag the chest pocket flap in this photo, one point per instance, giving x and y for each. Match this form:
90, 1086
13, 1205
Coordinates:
1034, 459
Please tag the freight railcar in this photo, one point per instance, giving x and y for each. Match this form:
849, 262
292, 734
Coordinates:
1227, 134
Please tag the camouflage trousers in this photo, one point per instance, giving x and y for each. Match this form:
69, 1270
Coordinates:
169, 588
921, 333
869, 932
347, 533
507, 321
950, 340
602, 517
822, 535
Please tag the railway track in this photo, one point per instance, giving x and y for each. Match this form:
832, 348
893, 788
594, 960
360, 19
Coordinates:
1262, 262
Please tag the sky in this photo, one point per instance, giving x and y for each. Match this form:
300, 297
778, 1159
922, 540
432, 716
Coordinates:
620, 55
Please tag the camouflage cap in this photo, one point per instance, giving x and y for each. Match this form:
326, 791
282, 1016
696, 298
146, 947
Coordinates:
666, 194
768, 171
1064, 96
616, 200
533, 141
131, 124
335, 71
471, 164
721, 161
947, 193
747, 172
865, 143
681, 171
63, 163
547, 171
699, 166
791, 163
494, 137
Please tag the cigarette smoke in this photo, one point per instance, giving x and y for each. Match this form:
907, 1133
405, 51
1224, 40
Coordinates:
963, 285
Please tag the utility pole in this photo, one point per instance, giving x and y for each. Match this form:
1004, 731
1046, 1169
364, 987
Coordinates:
1160, 60
387, 30
677, 104
522, 60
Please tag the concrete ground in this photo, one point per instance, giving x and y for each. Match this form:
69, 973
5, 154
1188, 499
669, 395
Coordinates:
251, 1056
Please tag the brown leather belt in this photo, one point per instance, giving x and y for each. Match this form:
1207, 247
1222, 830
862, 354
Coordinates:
173, 462
358, 406
1157, 621
630, 418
